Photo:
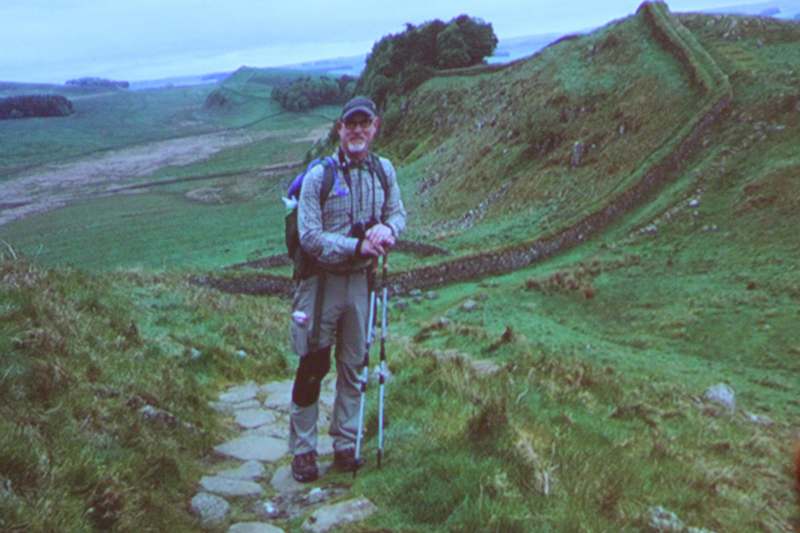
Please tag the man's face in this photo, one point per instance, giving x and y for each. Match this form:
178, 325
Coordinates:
357, 132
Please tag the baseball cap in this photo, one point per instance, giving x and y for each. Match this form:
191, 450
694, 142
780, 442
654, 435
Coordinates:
359, 104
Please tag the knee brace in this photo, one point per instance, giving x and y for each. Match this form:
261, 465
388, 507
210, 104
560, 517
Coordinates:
312, 369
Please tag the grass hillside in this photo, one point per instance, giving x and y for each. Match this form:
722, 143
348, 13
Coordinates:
592, 412
84, 359
215, 211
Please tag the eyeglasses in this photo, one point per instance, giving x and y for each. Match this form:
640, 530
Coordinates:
364, 123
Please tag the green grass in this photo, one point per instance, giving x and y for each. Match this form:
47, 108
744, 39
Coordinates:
596, 414
82, 355
102, 122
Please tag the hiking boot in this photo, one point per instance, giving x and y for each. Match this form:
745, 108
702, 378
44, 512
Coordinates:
304, 467
345, 460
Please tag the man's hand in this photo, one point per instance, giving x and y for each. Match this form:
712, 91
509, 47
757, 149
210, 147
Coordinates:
370, 249
381, 235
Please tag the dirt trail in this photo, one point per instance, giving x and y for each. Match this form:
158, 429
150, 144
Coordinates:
56, 185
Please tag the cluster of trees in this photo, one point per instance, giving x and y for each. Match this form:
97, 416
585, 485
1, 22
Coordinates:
37, 105
401, 62
307, 92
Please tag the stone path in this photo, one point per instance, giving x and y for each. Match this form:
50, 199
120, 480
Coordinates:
250, 486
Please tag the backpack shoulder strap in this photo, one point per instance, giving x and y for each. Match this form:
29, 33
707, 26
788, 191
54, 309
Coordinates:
328, 177
376, 164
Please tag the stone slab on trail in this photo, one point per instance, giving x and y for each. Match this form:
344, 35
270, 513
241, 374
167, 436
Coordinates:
253, 418
278, 395
254, 527
253, 448
249, 471
228, 408
211, 509
240, 393
225, 486
332, 516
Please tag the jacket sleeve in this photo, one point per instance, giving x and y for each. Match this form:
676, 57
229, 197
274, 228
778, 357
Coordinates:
325, 246
394, 213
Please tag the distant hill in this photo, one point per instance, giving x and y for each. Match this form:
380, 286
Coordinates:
99, 83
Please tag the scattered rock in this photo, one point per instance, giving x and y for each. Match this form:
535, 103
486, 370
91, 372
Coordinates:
254, 527
711, 228
652, 229
211, 509
154, 414
415, 292
241, 354
761, 420
225, 486
240, 393
469, 306
269, 509
577, 154
664, 521
431, 295
442, 322
400, 304
316, 495
253, 448
485, 367
417, 299
250, 471
332, 516
195, 354
253, 418
721, 394
694, 203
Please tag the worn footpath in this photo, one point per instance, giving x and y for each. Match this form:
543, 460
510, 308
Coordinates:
249, 487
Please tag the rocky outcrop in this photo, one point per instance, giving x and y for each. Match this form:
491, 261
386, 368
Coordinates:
98, 83
35, 105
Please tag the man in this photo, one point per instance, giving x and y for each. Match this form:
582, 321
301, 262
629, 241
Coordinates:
358, 222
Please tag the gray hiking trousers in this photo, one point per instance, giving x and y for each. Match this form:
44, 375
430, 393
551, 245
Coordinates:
343, 317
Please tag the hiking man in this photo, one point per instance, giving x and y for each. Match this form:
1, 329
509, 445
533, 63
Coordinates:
343, 235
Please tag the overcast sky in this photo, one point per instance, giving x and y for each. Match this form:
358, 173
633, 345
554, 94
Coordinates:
55, 40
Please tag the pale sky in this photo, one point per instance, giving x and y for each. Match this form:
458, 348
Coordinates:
55, 40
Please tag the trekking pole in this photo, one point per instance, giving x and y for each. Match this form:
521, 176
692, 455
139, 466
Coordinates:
363, 379
382, 370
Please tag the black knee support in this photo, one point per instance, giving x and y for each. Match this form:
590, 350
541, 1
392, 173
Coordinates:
312, 369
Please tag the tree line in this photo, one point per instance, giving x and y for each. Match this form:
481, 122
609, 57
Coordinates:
308, 92
399, 63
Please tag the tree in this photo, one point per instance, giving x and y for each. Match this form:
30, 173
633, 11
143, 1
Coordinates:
399, 63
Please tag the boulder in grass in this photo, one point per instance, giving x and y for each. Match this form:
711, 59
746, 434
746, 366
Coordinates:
722, 395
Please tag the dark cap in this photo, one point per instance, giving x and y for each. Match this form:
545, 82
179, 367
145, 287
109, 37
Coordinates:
359, 104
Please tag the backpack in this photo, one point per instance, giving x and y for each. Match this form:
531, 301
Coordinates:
304, 263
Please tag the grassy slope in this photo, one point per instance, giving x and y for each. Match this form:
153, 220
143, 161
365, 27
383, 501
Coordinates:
600, 395
81, 355
514, 131
103, 121
163, 228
